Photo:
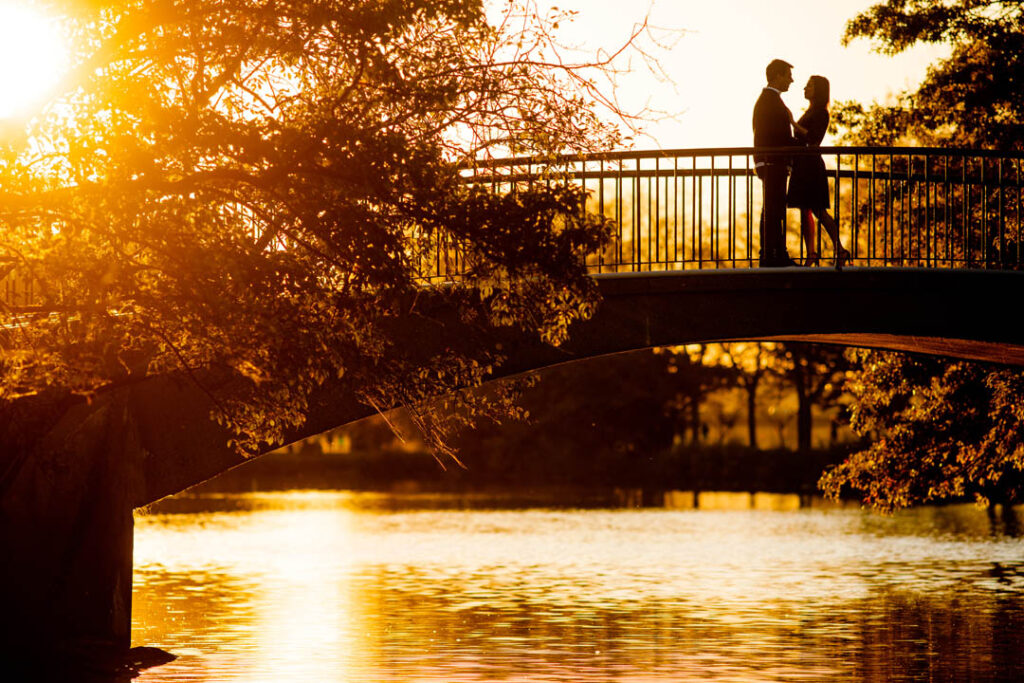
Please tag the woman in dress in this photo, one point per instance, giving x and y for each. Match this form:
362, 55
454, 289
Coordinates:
808, 184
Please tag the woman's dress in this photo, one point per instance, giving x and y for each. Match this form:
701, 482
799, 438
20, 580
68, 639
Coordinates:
808, 183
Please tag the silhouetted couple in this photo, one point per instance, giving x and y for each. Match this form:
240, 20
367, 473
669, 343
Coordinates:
808, 185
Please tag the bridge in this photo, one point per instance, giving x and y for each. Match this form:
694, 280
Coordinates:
934, 234
935, 238
679, 210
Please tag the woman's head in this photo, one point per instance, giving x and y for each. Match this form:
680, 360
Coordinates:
817, 90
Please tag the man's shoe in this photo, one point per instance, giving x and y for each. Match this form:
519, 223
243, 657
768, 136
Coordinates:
782, 260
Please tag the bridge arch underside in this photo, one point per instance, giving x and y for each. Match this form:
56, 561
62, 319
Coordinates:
964, 314
968, 314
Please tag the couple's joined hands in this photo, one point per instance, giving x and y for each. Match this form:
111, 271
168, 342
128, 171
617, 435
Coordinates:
796, 126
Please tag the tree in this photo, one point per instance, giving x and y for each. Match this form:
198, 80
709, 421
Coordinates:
245, 198
694, 374
973, 98
817, 373
939, 430
750, 362
596, 422
942, 429
248, 195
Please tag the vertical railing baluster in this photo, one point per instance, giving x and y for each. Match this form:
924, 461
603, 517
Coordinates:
1001, 237
835, 202
682, 225
675, 209
657, 197
946, 209
965, 220
713, 209
907, 218
1017, 177
888, 250
732, 214
699, 216
927, 212
749, 192
635, 208
618, 216
669, 231
600, 209
582, 174
985, 256
854, 207
871, 214
694, 217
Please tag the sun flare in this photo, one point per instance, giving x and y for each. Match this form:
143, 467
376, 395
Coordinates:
32, 58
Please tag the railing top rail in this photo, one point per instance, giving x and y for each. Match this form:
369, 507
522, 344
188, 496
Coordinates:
743, 151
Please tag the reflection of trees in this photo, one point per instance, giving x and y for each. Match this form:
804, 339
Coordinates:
237, 606
508, 631
174, 607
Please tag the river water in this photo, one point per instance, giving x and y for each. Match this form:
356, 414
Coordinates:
340, 586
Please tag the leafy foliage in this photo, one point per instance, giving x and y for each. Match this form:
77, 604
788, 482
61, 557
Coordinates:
248, 194
939, 431
973, 98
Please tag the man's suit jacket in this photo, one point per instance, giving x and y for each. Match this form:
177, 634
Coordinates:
771, 127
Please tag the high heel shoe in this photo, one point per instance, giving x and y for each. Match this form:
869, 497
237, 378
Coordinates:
842, 258
810, 260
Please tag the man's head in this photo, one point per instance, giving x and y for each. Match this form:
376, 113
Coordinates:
779, 74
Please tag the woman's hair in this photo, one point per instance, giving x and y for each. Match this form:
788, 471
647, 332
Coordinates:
821, 91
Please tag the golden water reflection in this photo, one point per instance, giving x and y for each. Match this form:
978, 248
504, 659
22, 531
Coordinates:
338, 587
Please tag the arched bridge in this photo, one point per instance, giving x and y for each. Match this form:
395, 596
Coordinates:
934, 236
935, 239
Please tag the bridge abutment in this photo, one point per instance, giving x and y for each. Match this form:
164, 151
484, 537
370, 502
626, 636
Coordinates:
66, 530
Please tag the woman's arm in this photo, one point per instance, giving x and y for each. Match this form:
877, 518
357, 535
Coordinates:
801, 132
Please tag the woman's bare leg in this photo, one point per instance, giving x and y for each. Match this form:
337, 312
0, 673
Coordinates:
826, 220
809, 232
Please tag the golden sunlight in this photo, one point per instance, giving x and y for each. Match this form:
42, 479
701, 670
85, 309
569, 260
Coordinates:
33, 58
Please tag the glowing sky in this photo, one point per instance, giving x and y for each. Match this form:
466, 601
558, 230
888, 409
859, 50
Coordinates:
718, 65
32, 57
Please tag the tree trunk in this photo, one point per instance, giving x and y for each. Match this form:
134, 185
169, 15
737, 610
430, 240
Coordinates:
695, 419
803, 409
751, 387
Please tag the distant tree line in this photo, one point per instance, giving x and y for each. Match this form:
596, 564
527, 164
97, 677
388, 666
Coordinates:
645, 416
893, 429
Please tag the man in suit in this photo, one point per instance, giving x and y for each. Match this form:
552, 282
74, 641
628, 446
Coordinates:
772, 128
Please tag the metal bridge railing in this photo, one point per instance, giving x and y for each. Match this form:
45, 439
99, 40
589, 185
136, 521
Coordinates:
700, 208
